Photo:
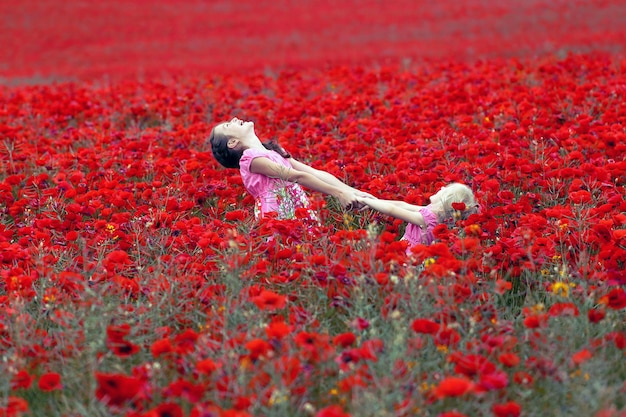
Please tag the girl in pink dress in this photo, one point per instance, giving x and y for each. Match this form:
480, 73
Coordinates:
270, 174
449, 203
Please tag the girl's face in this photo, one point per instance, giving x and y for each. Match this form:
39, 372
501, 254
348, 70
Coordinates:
235, 128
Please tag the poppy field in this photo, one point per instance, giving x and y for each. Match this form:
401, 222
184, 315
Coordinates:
136, 282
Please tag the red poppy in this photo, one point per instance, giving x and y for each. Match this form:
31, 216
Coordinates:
425, 326
523, 378
470, 365
345, 339
185, 342
123, 348
207, 366
509, 359
447, 336
182, 388
161, 347
615, 299
269, 300
493, 381
258, 348
117, 389
165, 410
534, 321
332, 411
278, 329
503, 286
563, 309
581, 356
451, 414
21, 380
50, 381
596, 315
453, 386
15, 407
509, 409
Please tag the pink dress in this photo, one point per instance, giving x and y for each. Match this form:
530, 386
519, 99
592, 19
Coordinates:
416, 235
271, 194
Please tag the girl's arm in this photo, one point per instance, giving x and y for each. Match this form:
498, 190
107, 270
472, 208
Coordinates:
391, 208
271, 169
327, 177
405, 205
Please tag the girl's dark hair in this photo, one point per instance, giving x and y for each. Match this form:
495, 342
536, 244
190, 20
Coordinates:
229, 158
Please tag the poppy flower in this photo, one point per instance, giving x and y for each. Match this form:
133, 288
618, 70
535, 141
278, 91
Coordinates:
277, 330
470, 365
615, 299
596, 315
117, 389
344, 339
451, 414
453, 386
258, 348
207, 366
161, 347
508, 409
425, 326
269, 300
181, 388
534, 321
581, 356
165, 410
15, 407
332, 411
21, 380
563, 309
50, 381
123, 348
492, 381
509, 360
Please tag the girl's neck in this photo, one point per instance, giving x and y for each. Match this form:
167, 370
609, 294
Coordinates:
438, 210
252, 142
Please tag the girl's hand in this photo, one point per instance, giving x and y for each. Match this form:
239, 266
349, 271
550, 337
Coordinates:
347, 199
360, 204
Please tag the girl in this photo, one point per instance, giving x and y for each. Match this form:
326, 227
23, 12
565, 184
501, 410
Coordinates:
449, 203
270, 174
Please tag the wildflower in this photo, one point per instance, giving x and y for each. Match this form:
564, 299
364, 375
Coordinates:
581, 356
258, 348
21, 380
503, 286
332, 411
453, 413
277, 330
207, 366
117, 389
344, 339
509, 359
596, 315
425, 326
453, 386
269, 300
15, 406
509, 409
166, 410
161, 347
492, 381
560, 289
615, 299
50, 381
